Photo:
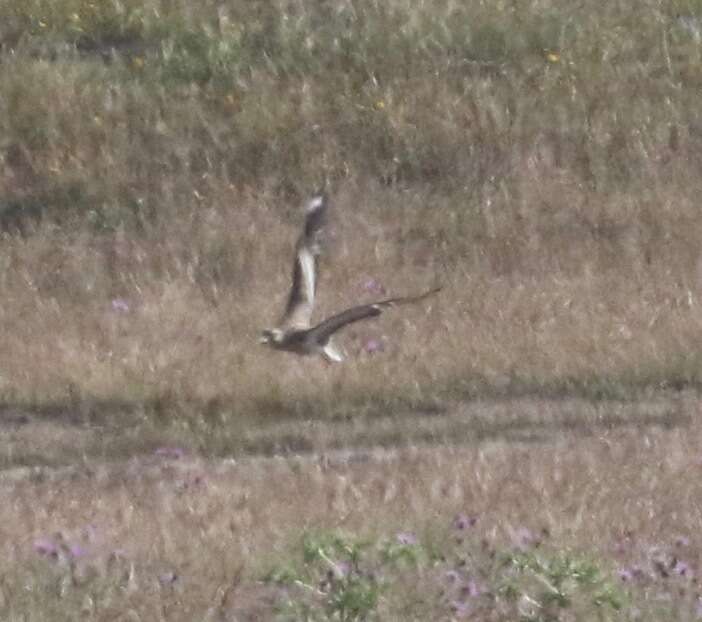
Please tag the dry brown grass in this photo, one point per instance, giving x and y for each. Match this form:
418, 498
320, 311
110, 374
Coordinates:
519, 164
220, 526
539, 160
561, 309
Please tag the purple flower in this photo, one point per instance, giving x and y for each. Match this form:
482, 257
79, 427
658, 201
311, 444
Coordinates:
175, 453
471, 589
76, 551
407, 538
46, 546
682, 541
631, 573
523, 538
373, 346
373, 286
168, 578
681, 568
120, 305
462, 522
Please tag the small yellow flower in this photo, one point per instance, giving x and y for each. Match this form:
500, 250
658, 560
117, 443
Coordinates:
380, 105
552, 57
42, 24
138, 62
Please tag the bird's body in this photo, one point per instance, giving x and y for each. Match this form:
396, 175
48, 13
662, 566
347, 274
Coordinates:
302, 342
295, 333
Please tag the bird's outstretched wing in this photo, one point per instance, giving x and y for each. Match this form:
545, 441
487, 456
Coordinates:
323, 331
298, 310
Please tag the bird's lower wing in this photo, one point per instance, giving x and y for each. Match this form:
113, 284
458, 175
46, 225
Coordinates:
321, 333
326, 329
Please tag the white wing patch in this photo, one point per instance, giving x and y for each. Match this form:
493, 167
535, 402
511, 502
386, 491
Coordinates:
308, 274
332, 354
314, 203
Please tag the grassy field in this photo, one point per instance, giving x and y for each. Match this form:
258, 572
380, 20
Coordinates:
524, 446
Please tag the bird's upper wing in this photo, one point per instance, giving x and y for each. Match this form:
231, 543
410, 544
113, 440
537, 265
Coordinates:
298, 310
328, 327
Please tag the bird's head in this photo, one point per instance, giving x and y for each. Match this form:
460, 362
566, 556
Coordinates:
271, 336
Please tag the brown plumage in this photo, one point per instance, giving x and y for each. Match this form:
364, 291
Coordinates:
294, 333
328, 327
298, 310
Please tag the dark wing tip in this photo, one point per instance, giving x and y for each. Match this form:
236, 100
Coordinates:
431, 292
392, 302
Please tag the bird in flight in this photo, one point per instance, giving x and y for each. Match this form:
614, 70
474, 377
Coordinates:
294, 332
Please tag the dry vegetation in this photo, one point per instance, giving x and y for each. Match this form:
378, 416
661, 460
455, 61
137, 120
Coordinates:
183, 539
539, 159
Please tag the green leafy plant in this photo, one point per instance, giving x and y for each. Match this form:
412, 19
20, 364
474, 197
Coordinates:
337, 580
542, 584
